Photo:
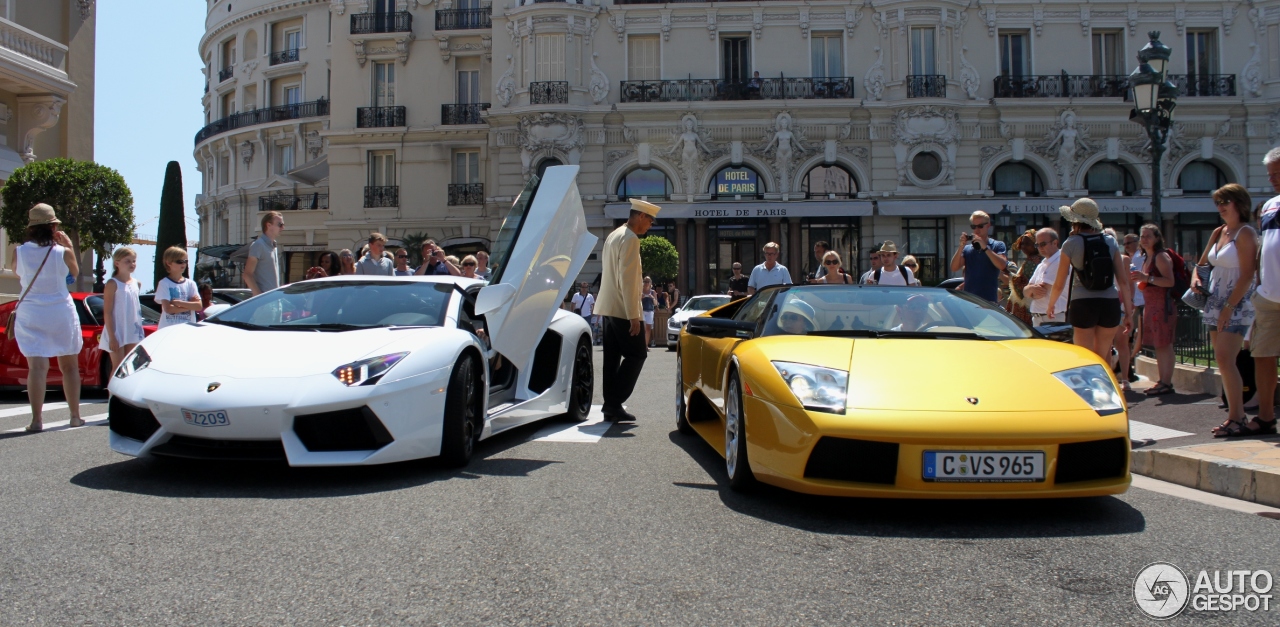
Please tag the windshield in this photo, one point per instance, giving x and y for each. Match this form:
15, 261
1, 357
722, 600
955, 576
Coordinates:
511, 226
852, 310
342, 305
706, 303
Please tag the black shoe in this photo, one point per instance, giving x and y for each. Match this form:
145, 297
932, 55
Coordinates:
617, 414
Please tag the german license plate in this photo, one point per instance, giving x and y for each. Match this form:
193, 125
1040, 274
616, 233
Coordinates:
216, 418
984, 466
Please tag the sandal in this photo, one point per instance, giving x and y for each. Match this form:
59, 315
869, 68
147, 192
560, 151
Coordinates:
1160, 389
1230, 429
1222, 428
1263, 428
1125, 387
34, 428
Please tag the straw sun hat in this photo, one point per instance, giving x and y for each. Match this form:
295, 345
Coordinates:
42, 214
1084, 211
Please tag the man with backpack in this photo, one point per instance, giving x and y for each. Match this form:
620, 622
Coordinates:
981, 258
1100, 281
889, 272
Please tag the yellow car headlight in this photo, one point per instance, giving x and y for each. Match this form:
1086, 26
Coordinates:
817, 388
1093, 384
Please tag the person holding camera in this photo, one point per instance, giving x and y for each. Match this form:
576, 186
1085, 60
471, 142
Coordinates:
981, 258
434, 262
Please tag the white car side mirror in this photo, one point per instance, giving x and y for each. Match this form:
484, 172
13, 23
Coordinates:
493, 296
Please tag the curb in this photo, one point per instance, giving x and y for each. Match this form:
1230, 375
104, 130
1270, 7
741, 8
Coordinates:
1235, 478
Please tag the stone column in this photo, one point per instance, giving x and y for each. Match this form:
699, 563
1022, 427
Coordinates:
682, 246
700, 258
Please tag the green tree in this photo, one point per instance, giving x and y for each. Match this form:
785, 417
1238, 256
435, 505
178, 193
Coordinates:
92, 200
413, 245
659, 259
172, 230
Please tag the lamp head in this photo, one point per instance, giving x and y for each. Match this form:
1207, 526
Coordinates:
1145, 83
1155, 53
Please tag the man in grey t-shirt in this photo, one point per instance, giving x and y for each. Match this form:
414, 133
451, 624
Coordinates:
375, 262
262, 270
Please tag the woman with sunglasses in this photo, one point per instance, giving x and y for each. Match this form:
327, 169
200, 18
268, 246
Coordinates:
909, 262
469, 265
347, 260
835, 273
1019, 304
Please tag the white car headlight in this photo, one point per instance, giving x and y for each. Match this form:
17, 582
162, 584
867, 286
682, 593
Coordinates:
817, 388
1093, 385
367, 371
136, 360
674, 324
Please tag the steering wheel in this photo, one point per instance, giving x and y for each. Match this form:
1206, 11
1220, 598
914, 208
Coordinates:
931, 325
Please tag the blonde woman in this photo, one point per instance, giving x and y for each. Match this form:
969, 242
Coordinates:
835, 271
469, 264
911, 263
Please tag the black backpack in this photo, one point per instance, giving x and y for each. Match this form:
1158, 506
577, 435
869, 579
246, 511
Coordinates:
1099, 271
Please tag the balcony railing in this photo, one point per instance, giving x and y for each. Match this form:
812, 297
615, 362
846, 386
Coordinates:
926, 86
284, 56
290, 202
226, 73
466, 194
549, 92
379, 117
382, 196
366, 23
463, 19
781, 88
33, 45
1204, 84
462, 113
311, 109
1062, 86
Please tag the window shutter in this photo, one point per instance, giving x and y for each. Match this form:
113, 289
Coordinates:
643, 60
550, 58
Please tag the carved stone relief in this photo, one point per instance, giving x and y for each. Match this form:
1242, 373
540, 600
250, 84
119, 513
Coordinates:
36, 114
544, 134
784, 145
692, 147
246, 153
969, 78
873, 83
599, 85
1065, 144
505, 89
926, 128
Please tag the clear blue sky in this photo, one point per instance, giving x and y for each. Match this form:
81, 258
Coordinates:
147, 105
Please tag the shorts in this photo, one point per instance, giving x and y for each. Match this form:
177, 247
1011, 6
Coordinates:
648, 318
1265, 341
1087, 313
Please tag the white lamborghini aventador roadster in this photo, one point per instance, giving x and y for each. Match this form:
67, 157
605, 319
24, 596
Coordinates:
369, 370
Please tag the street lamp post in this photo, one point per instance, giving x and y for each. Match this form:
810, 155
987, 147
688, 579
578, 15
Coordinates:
1154, 98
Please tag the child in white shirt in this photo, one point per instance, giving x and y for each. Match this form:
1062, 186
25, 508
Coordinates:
177, 295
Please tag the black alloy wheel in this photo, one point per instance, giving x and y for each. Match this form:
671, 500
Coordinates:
462, 424
682, 408
582, 385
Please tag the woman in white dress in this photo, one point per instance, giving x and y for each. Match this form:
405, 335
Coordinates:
47, 325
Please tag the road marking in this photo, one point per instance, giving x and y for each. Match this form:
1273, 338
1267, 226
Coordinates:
26, 409
1144, 431
65, 425
588, 432
1199, 496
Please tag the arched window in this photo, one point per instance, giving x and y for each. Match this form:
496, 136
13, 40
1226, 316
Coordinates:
644, 182
1016, 179
734, 183
1108, 178
1201, 177
829, 182
546, 163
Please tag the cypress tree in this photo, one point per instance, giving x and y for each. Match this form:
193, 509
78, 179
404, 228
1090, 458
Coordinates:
172, 230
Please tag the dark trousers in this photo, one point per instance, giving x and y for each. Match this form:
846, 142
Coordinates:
624, 356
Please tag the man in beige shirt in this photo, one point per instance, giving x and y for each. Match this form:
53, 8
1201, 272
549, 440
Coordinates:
619, 309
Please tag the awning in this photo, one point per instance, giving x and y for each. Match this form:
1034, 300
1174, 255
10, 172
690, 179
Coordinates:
993, 206
10, 160
744, 210
311, 172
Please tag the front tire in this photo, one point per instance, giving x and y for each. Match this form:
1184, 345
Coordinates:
581, 383
461, 414
736, 464
682, 408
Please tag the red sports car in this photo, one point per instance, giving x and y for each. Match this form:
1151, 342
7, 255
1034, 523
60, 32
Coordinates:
95, 365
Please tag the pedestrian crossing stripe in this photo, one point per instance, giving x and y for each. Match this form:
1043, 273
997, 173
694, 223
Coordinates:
588, 432
65, 425
1143, 431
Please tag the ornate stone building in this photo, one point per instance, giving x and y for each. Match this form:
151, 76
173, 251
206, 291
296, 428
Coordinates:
847, 121
46, 93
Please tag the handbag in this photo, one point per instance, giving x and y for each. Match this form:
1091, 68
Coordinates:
1197, 297
12, 322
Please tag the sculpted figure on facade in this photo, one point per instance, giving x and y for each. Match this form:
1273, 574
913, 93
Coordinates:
1068, 140
969, 78
505, 89
545, 134
786, 144
692, 148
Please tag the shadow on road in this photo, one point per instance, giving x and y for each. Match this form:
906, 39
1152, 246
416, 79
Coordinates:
167, 477
915, 518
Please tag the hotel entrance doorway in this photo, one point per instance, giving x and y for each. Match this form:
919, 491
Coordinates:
731, 247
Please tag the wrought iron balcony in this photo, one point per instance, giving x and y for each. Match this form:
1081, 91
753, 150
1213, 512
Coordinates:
383, 196
1062, 86
1204, 84
466, 194
284, 56
926, 86
366, 23
781, 88
549, 92
226, 73
290, 202
311, 109
379, 117
462, 113
463, 19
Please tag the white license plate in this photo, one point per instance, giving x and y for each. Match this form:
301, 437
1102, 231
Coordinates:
984, 466
216, 418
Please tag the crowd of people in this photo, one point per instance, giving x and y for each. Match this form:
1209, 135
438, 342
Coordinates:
376, 260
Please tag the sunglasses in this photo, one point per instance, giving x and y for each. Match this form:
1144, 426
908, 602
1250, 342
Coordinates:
978, 226
787, 318
402, 256
1043, 244
910, 265
830, 263
183, 261
347, 256
468, 263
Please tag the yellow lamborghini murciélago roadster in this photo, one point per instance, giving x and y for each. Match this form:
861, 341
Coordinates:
863, 390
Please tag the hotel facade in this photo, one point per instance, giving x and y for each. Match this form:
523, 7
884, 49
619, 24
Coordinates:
850, 122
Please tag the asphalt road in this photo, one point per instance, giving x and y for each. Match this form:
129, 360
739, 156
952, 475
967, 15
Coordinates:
637, 528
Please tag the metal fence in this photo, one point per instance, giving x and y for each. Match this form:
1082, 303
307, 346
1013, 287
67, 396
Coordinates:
1191, 338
